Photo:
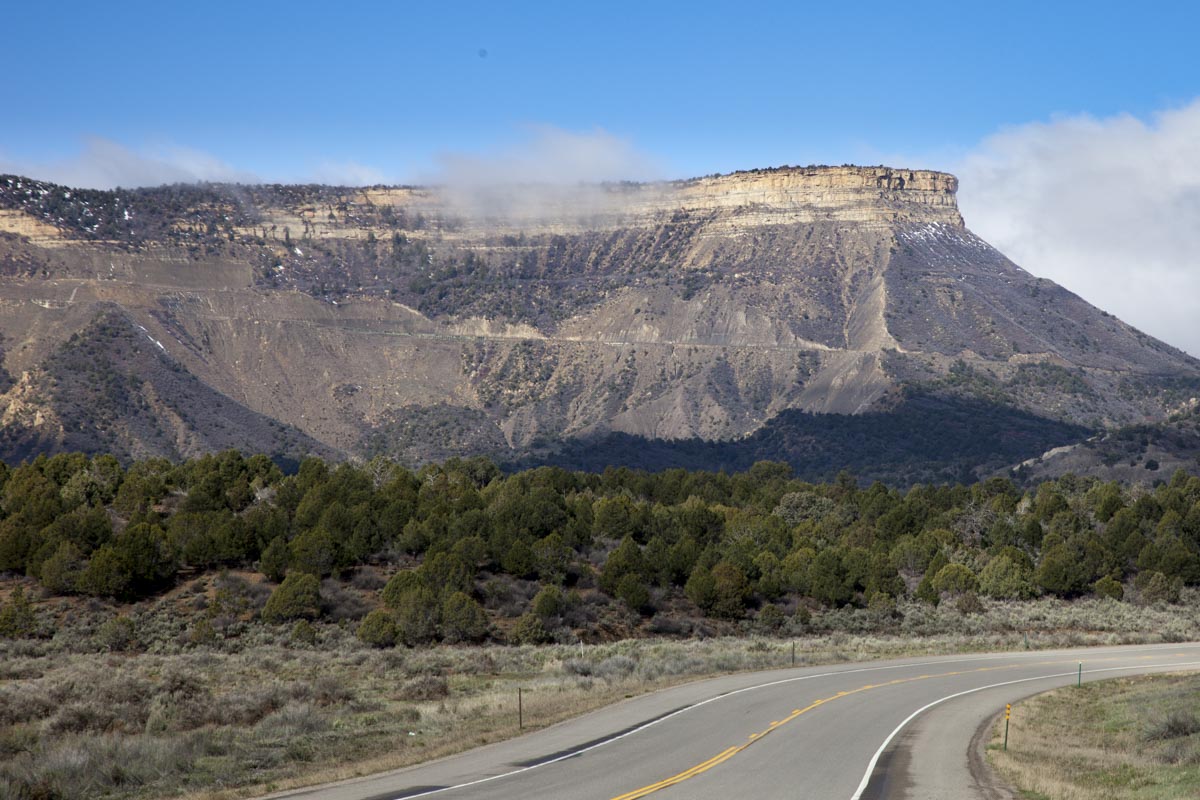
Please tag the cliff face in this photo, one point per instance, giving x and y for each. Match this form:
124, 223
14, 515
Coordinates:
372, 319
864, 195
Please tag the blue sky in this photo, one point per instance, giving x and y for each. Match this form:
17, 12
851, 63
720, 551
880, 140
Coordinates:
1074, 126
286, 90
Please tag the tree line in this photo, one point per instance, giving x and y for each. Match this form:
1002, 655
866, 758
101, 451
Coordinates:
758, 543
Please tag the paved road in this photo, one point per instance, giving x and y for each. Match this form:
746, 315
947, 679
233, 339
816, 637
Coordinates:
889, 729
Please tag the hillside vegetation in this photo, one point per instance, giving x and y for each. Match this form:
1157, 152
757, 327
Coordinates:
463, 552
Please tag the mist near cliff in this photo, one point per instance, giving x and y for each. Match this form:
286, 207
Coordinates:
1109, 208
548, 173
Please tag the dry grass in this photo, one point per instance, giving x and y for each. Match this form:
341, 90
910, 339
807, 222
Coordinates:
1123, 739
248, 708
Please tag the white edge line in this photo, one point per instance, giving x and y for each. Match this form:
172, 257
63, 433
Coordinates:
685, 709
866, 779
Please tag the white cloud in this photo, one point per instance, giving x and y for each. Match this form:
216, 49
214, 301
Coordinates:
1109, 208
105, 164
551, 172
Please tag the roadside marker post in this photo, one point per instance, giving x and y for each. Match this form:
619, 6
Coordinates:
1079, 680
793, 654
520, 711
1007, 714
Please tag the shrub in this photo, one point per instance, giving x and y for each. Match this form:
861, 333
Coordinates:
1109, 586
968, 603
548, 603
530, 630
701, 588
1158, 588
398, 585
378, 629
106, 574
118, 634
632, 591
60, 572
298, 597
203, 633
955, 579
313, 552
771, 618
615, 668
424, 687
274, 560
1176, 724
882, 604
304, 632
1004, 579
463, 619
732, 590
1060, 572
291, 723
16, 617
417, 616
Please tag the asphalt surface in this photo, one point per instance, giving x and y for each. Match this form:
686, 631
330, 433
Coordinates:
884, 730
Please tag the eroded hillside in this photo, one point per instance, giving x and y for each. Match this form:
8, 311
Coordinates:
421, 323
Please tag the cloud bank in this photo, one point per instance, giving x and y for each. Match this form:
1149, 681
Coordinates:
550, 173
1109, 208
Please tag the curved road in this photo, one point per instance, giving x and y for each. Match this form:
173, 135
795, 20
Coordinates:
887, 729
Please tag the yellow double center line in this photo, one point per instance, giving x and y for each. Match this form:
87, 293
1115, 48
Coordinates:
725, 755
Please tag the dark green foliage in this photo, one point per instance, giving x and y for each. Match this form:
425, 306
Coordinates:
955, 579
1060, 572
16, 616
530, 630
1109, 587
731, 590
547, 603
313, 552
632, 591
626, 560
106, 574
461, 533
463, 619
417, 615
275, 558
378, 629
60, 572
298, 597
1006, 579
701, 588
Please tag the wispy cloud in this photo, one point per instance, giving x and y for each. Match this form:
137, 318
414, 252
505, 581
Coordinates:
550, 172
1106, 207
105, 164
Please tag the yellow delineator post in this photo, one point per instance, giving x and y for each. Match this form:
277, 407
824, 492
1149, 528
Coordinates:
1007, 714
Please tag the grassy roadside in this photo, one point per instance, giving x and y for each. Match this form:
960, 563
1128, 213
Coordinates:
1121, 739
147, 702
